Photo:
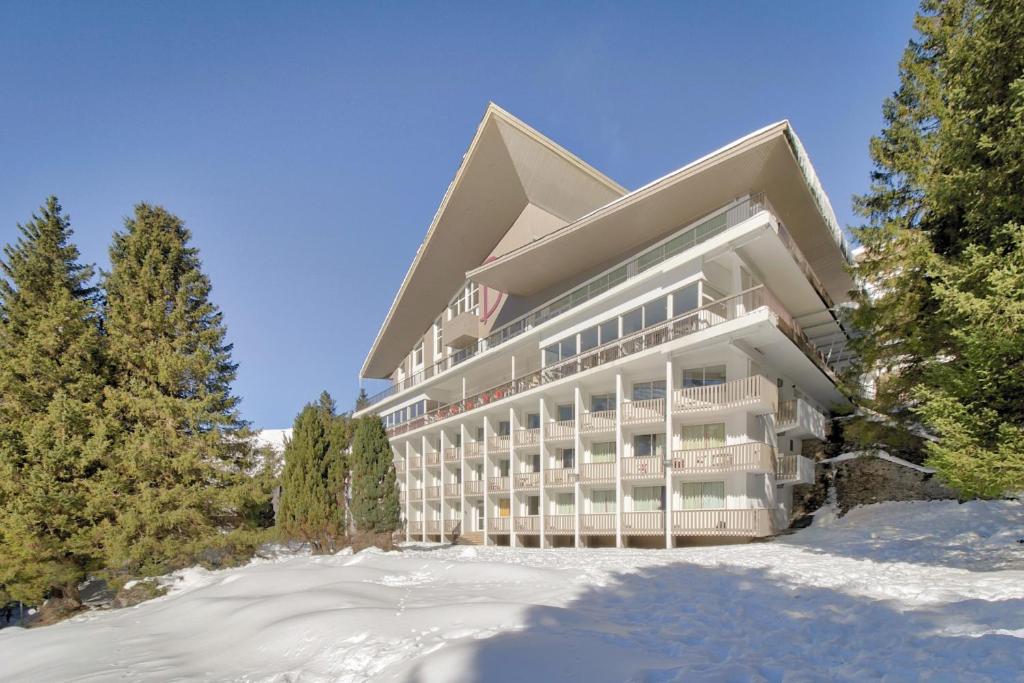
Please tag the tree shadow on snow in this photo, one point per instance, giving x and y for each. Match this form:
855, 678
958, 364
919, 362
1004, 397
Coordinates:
691, 623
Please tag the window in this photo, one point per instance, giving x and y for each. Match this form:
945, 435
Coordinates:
648, 498
684, 299
647, 390
602, 501
551, 355
565, 504
503, 468
533, 505
535, 462
560, 351
589, 338
703, 494
703, 436
504, 428
709, 294
566, 458
609, 330
599, 402
467, 300
458, 440
648, 444
704, 377
655, 311
603, 451
566, 412
633, 321
417, 355
479, 433
532, 420
438, 338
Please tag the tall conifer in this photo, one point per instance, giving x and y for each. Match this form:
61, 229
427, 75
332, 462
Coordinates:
52, 438
375, 503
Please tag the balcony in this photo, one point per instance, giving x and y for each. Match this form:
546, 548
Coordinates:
563, 476
598, 422
452, 526
415, 494
499, 443
799, 419
498, 525
748, 523
560, 524
794, 469
643, 523
415, 528
756, 393
743, 457
647, 411
433, 459
462, 330
432, 492
597, 472
563, 430
475, 487
527, 437
644, 467
528, 525
451, 454
597, 523
415, 463
451, 489
497, 484
473, 449
433, 526
527, 480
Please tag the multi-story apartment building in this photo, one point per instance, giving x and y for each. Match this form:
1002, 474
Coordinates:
575, 364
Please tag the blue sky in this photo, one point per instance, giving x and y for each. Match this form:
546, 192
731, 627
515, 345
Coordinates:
307, 145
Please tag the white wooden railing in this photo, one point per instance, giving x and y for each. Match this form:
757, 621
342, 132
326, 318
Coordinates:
562, 430
451, 454
597, 523
452, 526
499, 443
560, 524
451, 490
560, 477
644, 411
498, 524
734, 394
743, 457
473, 449
432, 492
643, 523
748, 522
597, 471
527, 437
433, 526
527, 480
497, 484
598, 422
433, 459
416, 494
474, 487
529, 524
415, 462
645, 467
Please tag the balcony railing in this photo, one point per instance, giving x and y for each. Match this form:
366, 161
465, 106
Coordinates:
643, 412
598, 422
794, 468
744, 457
498, 525
452, 526
528, 525
527, 437
473, 449
597, 523
756, 390
432, 492
694, 234
692, 322
754, 522
497, 484
563, 476
415, 528
643, 523
645, 467
499, 443
433, 459
801, 419
560, 524
415, 463
415, 494
475, 487
433, 526
451, 489
527, 480
451, 454
592, 472
563, 430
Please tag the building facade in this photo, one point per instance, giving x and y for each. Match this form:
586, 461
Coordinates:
574, 364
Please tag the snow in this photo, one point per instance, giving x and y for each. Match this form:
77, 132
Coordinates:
275, 438
881, 455
896, 591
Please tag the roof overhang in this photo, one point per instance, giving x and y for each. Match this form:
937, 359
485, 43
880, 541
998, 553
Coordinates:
770, 160
508, 168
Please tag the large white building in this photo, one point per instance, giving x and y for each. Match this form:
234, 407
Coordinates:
573, 363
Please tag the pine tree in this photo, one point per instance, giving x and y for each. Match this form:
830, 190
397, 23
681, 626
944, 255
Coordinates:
362, 400
52, 437
313, 505
375, 505
177, 481
942, 311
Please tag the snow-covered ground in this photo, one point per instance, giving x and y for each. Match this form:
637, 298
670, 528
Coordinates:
896, 592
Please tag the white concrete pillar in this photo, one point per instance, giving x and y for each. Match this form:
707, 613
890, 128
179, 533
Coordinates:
442, 444
512, 537
408, 492
578, 446
542, 418
487, 482
669, 444
423, 465
462, 478
619, 450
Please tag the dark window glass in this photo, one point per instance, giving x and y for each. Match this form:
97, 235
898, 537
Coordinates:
504, 429
609, 330
684, 299
588, 339
568, 347
655, 312
551, 355
566, 412
632, 321
601, 402
533, 421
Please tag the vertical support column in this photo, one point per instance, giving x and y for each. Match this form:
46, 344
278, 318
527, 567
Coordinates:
578, 446
512, 538
462, 478
408, 492
487, 481
669, 444
463, 387
423, 465
618, 459
442, 444
542, 413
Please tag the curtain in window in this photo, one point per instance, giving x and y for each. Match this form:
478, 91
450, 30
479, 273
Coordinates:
564, 504
603, 451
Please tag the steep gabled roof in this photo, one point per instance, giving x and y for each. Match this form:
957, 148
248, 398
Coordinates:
509, 169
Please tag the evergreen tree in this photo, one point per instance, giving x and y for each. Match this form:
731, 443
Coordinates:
313, 505
943, 310
362, 400
52, 437
375, 505
178, 480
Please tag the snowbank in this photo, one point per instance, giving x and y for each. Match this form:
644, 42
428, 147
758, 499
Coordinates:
898, 591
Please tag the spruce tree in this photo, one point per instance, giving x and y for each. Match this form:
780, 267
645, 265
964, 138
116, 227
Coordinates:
313, 505
52, 437
375, 503
943, 266
177, 481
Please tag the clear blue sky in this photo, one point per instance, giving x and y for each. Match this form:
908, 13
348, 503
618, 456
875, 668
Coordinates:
307, 145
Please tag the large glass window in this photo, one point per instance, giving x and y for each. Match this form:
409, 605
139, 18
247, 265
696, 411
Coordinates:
599, 402
602, 501
417, 355
703, 377
439, 337
703, 436
566, 411
504, 428
633, 321
533, 420
533, 505
655, 311
559, 351
609, 330
648, 444
699, 495
685, 299
648, 498
603, 451
589, 338
647, 390
565, 504
566, 458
